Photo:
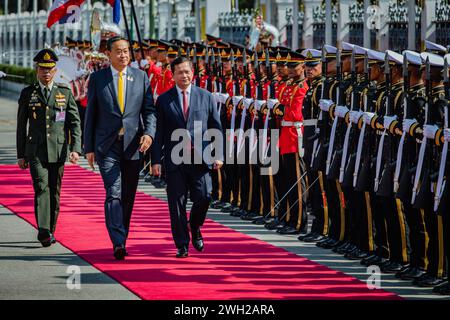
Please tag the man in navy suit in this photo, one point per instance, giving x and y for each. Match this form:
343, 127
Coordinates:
120, 125
189, 109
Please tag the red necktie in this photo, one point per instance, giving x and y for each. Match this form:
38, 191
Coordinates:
185, 104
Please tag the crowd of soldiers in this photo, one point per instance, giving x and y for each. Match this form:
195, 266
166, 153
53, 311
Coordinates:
362, 148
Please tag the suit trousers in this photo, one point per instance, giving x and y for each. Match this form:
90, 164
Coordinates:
195, 179
120, 178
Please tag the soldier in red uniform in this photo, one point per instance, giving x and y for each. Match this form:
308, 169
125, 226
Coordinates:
291, 149
165, 81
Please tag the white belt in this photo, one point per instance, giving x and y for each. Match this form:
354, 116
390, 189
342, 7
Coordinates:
310, 122
296, 124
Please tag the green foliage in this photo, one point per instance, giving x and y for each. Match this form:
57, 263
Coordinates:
28, 73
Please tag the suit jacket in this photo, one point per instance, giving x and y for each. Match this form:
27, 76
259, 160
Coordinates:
103, 119
202, 108
47, 139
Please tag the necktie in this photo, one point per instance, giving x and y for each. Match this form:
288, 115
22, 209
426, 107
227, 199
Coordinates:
120, 92
185, 104
46, 91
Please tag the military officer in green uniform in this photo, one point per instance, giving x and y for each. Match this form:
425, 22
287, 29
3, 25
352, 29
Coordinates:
53, 134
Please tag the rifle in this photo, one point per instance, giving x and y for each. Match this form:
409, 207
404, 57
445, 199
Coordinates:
248, 88
322, 136
236, 85
442, 165
405, 139
339, 100
385, 180
424, 178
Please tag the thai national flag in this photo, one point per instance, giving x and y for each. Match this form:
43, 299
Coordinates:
62, 10
116, 10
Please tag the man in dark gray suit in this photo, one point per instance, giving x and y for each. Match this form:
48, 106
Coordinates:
190, 109
120, 125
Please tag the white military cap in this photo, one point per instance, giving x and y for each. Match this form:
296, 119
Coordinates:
330, 49
312, 56
347, 46
394, 56
413, 57
434, 59
435, 48
358, 50
376, 55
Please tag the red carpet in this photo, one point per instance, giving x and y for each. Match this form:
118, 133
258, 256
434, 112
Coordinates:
233, 266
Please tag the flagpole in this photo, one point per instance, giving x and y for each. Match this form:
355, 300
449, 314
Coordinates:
137, 28
126, 27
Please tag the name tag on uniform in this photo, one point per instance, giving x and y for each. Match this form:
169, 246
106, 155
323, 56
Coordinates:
60, 116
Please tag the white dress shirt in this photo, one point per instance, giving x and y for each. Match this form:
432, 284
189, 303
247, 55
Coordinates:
180, 96
49, 86
115, 75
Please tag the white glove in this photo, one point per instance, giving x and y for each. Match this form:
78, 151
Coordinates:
407, 123
368, 116
247, 102
429, 131
355, 116
223, 97
387, 121
325, 104
236, 100
2, 74
134, 64
144, 62
259, 104
271, 103
447, 135
341, 111
216, 97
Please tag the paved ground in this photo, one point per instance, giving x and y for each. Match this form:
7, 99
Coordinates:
28, 271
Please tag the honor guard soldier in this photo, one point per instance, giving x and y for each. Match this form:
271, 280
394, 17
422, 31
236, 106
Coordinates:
54, 134
310, 113
292, 180
427, 169
414, 100
441, 191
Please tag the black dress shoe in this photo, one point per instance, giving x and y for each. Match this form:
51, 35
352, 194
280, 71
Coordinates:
288, 230
182, 252
319, 243
197, 239
227, 207
313, 238
275, 225
392, 267
443, 288
330, 244
342, 249
412, 274
53, 239
238, 213
430, 281
302, 236
259, 221
119, 252
405, 269
250, 216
